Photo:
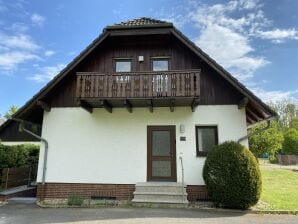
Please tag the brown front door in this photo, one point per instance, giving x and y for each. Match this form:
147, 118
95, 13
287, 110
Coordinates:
161, 162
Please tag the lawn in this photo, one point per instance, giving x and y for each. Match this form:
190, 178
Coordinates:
280, 189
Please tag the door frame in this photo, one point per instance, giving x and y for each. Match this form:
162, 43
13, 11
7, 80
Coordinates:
172, 129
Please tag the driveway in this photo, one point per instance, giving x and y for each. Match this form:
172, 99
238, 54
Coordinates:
23, 214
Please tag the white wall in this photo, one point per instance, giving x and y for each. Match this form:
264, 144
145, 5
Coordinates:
107, 147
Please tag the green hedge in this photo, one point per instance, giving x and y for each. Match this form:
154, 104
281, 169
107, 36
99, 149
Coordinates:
232, 176
290, 144
18, 155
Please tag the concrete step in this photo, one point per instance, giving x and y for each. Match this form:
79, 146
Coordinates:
160, 192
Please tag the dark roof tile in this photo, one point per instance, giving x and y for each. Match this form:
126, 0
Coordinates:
142, 21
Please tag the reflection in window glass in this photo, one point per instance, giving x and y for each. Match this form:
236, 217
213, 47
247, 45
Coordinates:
123, 66
160, 65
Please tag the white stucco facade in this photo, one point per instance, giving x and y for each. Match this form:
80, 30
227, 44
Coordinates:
111, 148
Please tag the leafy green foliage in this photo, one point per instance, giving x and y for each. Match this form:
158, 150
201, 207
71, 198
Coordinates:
11, 111
18, 155
290, 144
232, 175
294, 123
75, 200
268, 141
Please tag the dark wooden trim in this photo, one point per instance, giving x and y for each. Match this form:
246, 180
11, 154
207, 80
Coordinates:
128, 105
252, 114
86, 106
194, 104
172, 158
150, 105
106, 105
45, 106
243, 103
172, 105
197, 127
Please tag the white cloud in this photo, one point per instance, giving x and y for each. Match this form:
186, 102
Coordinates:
37, 19
20, 41
10, 60
275, 95
49, 53
47, 73
226, 38
16, 49
279, 35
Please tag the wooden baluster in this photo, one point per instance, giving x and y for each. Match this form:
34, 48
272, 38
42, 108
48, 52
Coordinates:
198, 80
192, 84
150, 85
79, 85
141, 86
169, 84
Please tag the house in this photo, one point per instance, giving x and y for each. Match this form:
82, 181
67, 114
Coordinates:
134, 116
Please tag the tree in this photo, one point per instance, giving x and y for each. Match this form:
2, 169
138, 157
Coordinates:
294, 123
286, 111
268, 141
11, 111
290, 144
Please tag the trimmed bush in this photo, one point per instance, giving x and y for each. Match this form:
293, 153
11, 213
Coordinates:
75, 200
18, 155
232, 175
290, 144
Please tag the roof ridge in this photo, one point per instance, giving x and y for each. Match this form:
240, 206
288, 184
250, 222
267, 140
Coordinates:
141, 21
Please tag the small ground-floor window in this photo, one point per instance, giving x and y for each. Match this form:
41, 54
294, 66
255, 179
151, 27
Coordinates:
206, 138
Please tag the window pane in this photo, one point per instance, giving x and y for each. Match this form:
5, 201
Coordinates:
123, 66
160, 65
161, 143
161, 168
206, 138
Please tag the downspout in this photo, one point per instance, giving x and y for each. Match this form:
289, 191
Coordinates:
45, 157
257, 132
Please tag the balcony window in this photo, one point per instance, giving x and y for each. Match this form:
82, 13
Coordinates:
160, 64
123, 65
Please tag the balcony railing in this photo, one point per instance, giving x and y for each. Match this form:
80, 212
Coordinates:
172, 84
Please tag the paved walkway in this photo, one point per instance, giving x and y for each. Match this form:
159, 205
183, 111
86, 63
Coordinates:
23, 214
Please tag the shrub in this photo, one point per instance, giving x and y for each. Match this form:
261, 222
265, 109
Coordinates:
232, 175
75, 200
18, 155
290, 144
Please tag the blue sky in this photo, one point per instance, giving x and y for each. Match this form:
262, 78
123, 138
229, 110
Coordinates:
257, 41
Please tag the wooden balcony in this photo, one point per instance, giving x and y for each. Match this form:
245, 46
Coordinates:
139, 89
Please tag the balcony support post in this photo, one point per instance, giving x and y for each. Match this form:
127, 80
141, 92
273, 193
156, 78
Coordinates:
106, 105
86, 106
172, 105
194, 104
128, 105
150, 105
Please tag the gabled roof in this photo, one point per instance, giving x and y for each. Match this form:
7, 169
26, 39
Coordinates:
137, 24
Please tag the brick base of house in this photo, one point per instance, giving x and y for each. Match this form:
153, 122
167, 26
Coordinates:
117, 191
197, 193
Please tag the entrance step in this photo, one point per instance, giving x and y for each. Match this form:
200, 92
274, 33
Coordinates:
160, 192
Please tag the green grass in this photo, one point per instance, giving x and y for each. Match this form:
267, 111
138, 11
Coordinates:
280, 189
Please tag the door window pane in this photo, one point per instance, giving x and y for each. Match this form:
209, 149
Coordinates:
160, 65
123, 66
161, 168
161, 143
206, 139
